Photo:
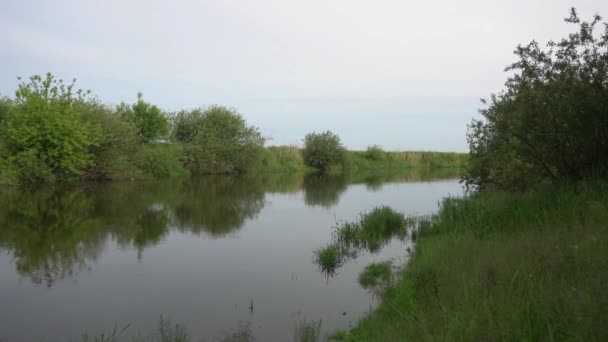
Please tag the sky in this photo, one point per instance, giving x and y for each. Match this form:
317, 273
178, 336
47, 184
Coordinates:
407, 75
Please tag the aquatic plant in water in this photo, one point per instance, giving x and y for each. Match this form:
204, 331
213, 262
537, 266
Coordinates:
307, 331
376, 274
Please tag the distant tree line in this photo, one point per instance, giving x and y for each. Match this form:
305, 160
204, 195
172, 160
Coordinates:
52, 131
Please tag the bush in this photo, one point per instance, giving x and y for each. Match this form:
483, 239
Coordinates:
218, 140
5, 107
322, 150
43, 136
550, 122
186, 124
375, 153
163, 161
152, 125
120, 151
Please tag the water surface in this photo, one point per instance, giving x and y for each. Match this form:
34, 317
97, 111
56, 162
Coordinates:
212, 254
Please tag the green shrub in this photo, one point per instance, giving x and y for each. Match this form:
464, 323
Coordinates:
5, 107
151, 123
120, 150
375, 153
322, 150
163, 161
187, 124
218, 140
43, 136
550, 122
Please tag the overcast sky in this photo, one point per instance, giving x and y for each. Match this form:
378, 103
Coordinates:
403, 74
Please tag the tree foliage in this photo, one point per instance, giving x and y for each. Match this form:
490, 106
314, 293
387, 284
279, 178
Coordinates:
217, 140
119, 153
5, 107
321, 150
551, 121
152, 125
375, 153
43, 135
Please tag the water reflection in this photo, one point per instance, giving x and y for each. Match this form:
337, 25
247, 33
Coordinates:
53, 234
324, 190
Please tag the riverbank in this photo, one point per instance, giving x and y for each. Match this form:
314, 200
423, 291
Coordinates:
503, 266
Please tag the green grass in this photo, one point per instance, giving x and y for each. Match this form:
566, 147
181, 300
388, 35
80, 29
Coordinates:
370, 233
373, 230
288, 159
357, 161
376, 274
329, 258
280, 159
503, 266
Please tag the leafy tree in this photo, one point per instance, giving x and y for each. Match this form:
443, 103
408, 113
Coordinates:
43, 135
120, 152
150, 121
5, 106
321, 150
218, 140
551, 121
187, 124
163, 161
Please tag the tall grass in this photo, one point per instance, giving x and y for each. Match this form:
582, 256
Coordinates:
307, 331
288, 159
329, 259
370, 233
373, 229
374, 159
499, 266
280, 159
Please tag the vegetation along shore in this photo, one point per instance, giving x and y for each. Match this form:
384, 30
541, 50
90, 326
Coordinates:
53, 132
524, 255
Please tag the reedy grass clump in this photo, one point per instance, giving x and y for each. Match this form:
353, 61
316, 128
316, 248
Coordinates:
307, 331
329, 258
280, 159
376, 274
379, 226
371, 232
377, 159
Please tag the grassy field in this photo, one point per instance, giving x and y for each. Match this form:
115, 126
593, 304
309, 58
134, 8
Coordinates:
288, 159
503, 266
364, 160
